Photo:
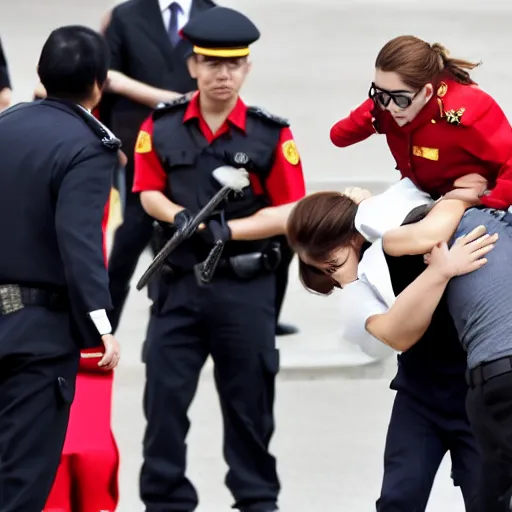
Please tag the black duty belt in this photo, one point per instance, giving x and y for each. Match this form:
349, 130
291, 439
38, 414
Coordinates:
243, 266
14, 297
486, 371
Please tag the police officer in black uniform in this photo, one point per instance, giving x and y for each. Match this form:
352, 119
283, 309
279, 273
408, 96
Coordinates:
233, 317
55, 178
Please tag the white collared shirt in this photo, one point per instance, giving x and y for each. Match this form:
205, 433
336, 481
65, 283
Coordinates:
372, 293
183, 16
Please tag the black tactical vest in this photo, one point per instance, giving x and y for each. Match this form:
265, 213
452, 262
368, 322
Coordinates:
189, 161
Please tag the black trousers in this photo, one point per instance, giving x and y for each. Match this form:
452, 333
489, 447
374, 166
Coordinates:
234, 322
38, 367
417, 440
489, 407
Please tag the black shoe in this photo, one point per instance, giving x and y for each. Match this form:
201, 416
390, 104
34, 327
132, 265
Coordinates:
285, 330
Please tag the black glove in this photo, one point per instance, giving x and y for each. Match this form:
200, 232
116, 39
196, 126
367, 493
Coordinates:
181, 219
216, 230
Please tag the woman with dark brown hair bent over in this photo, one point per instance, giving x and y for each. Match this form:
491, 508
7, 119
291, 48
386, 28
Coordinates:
398, 303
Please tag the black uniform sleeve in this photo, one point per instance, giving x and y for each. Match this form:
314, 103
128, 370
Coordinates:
82, 196
114, 40
5, 81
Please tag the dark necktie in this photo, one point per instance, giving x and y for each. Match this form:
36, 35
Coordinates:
172, 30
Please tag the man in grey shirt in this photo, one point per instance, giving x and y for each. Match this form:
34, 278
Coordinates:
481, 306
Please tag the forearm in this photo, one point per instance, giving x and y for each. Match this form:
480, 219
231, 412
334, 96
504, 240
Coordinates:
419, 238
158, 206
265, 223
5, 98
409, 317
355, 128
137, 91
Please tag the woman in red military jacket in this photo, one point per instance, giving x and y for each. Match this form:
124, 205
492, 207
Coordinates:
439, 125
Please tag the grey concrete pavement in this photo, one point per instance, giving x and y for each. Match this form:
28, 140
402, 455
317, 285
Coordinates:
329, 442
313, 64
330, 431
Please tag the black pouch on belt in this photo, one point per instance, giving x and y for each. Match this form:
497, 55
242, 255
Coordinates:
248, 266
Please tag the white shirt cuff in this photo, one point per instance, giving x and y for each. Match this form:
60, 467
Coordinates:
101, 321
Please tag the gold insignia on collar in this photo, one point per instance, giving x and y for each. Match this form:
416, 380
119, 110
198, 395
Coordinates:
454, 116
143, 144
442, 89
290, 152
427, 153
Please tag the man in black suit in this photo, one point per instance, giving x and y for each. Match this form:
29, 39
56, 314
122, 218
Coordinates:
144, 41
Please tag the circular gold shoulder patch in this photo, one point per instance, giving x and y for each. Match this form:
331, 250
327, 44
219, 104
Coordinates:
143, 144
290, 152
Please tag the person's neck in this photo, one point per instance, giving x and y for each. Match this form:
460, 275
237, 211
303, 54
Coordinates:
216, 110
215, 113
88, 105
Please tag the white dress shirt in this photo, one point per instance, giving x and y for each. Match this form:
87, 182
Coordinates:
183, 16
372, 293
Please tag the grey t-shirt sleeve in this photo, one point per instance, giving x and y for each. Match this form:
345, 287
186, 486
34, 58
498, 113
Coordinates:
5, 81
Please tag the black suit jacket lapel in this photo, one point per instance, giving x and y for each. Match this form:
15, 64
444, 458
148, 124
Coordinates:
152, 23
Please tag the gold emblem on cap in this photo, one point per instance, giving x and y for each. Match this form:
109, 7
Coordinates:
441, 90
290, 152
143, 144
455, 116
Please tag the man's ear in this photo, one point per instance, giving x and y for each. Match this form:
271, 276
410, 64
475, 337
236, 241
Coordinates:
192, 66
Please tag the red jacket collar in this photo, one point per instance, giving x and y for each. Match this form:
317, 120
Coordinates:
237, 117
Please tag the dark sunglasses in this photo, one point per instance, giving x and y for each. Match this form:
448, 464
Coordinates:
400, 98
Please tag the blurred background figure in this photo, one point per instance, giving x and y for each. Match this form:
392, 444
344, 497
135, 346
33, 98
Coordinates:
143, 36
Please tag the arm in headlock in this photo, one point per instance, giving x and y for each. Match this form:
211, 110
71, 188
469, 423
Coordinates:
438, 226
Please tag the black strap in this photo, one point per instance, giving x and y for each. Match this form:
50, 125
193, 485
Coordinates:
486, 371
